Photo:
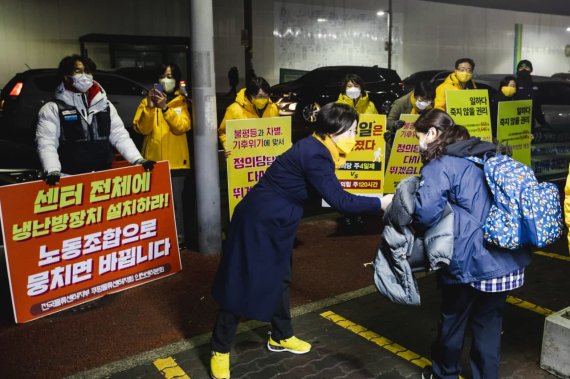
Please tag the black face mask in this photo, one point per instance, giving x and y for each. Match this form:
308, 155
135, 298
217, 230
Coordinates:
523, 74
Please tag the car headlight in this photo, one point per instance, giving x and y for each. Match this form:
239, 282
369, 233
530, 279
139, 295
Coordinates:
286, 106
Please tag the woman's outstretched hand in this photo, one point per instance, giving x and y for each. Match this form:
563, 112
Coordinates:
386, 200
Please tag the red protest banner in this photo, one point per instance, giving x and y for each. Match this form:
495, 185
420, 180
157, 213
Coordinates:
91, 235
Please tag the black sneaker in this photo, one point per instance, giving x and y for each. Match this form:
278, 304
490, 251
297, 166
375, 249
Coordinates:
427, 373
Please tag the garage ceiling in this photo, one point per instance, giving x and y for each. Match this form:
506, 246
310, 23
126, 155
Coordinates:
556, 7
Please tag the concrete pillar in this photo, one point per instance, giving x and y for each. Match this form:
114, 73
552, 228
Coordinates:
555, 354
205, 125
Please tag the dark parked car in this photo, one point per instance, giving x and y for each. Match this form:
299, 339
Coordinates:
562, 75
300, 98
422, 76
24, 95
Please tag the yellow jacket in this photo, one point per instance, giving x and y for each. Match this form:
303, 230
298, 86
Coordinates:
567, 205
450, 83
165, 132
243, 108
362, 106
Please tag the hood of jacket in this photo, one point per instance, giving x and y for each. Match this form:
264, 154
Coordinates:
245, 103
472, 146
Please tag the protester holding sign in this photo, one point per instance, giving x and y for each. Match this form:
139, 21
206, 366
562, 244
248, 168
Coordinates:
353, 93
251, 102
475, 283
163, 118
420, 99
461, 78
506, 92
528, 90
77, 131
255, 271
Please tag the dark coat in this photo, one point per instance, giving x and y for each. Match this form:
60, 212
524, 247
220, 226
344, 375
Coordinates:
258, 250
528, 90
461, 182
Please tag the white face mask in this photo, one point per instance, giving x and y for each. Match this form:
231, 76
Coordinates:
168, 84
421, 105
82, 82
428, 138
353, 92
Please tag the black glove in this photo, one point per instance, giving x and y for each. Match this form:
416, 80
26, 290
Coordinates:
147, 164
52, 178
399, 124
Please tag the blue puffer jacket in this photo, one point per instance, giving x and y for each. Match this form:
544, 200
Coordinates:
457, 180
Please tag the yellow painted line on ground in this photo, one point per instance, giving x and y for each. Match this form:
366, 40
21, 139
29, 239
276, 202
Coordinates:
377, 339
551, 255
528, 306
170, 369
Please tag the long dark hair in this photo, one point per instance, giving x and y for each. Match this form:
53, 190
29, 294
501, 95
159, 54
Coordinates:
335, 118
449, 132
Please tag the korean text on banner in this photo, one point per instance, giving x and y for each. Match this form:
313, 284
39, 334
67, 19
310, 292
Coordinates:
254, 143
513, 128
91, 235
470, 108
363, 172
405, 156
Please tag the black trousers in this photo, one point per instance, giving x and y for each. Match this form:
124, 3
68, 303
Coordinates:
227, 322
463, 305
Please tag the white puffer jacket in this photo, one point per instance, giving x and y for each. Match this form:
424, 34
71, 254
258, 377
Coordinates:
48, 128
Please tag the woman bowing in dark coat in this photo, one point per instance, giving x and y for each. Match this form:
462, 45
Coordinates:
255, 271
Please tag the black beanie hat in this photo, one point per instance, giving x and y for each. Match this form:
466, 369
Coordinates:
525, 62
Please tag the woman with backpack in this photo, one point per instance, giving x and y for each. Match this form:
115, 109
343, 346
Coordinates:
474, 286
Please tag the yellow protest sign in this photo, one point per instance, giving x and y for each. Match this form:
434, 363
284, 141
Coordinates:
404, 157
363, 172
470, 108
254, 143
513, 128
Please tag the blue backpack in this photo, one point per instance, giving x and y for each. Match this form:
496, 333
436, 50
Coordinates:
524, 212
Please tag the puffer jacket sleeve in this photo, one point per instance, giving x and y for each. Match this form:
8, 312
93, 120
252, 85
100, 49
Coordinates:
395, 111
431, 197
178, 123
232, 113
439, 101
120, 138
47, 137
144, 120
567, 205
271, 111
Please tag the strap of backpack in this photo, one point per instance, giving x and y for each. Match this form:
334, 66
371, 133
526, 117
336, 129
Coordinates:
475, 159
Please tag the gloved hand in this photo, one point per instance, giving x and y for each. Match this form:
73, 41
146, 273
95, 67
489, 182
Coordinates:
147, 164
52, 178
399, 124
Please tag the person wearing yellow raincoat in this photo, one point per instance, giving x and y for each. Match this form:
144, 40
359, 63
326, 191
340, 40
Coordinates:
461, 78
355, 96
251, 102
163, 118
